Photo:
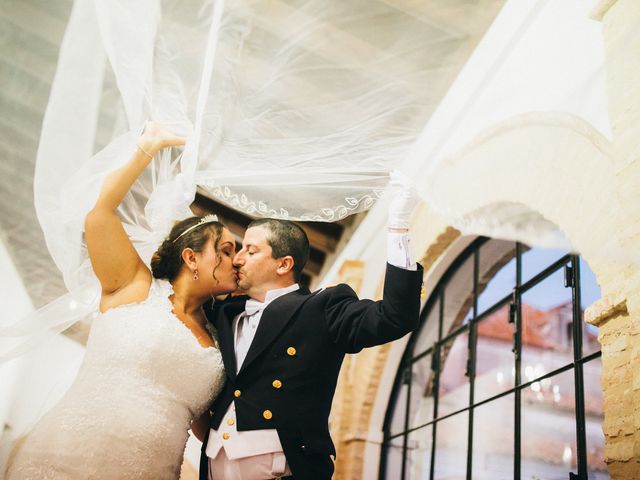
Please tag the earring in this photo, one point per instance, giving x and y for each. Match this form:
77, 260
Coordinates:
195, 274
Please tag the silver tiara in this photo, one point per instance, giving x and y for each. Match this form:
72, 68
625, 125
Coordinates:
203, 221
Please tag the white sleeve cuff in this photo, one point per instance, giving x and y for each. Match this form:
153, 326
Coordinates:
399, 251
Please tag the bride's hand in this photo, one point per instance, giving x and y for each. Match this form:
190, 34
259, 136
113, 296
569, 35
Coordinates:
156, 137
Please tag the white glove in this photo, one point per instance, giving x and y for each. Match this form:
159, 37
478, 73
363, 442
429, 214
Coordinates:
404, 201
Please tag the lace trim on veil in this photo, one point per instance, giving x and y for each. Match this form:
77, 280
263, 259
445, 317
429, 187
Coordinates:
350, 205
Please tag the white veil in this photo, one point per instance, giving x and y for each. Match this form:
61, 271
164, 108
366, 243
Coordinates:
292, 109
281, 120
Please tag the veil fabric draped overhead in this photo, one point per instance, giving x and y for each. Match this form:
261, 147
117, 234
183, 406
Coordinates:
295, 109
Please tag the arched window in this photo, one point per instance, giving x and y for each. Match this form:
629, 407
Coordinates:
502, 379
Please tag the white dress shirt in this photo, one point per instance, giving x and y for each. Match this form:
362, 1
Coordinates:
399, 253
256, 442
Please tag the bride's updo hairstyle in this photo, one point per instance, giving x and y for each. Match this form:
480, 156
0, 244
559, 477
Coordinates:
167, 260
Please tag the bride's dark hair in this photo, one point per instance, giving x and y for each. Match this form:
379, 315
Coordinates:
167, 260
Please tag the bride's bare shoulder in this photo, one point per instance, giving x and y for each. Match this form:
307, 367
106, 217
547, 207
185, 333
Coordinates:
135, 291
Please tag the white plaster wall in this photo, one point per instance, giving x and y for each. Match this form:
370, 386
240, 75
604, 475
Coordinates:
538, 56
541, 58
552, 164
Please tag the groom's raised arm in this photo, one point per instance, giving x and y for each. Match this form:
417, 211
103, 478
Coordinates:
355, 324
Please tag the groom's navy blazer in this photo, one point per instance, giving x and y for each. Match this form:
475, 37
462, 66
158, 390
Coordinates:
292, 366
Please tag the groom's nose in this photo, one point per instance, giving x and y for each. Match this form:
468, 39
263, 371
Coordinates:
238, 259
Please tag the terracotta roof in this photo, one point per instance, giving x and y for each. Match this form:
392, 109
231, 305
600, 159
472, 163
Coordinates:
535, 322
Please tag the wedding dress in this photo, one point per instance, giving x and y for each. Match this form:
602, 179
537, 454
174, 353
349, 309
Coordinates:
143, 379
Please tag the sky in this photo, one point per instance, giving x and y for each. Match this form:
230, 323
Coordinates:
548, 294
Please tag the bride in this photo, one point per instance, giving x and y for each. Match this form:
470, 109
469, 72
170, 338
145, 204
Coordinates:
151, 366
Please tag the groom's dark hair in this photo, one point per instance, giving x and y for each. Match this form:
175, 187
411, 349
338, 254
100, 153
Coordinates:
286, 238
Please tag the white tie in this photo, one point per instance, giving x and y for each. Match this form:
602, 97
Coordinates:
253, 306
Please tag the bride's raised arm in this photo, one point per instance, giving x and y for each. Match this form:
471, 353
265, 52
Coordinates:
113, 257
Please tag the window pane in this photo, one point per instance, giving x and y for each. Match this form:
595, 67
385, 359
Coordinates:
536, 260
397, 423
590, 290
429, 332
590, 342
494, 358
493, 442
458, 297
549, 429
394, 458
421, 404
451, 448
497, 272
593, 404
589, 293
547, 341
454, 384
419, 453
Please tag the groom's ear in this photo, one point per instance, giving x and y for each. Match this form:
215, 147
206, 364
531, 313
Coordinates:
285, 265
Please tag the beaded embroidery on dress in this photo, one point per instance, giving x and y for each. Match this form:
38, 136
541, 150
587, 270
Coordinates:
143, 379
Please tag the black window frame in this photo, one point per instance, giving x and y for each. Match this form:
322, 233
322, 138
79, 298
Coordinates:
570, 263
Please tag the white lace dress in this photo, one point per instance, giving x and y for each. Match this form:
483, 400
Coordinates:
143, 379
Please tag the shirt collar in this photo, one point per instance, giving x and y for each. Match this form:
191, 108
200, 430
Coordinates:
278, 292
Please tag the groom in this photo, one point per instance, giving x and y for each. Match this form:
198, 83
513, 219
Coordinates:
283, 346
